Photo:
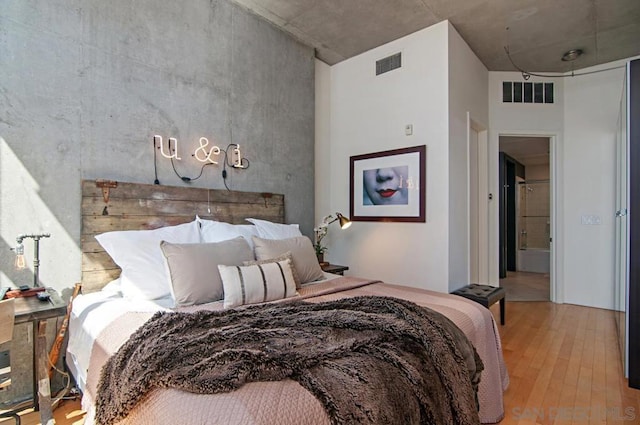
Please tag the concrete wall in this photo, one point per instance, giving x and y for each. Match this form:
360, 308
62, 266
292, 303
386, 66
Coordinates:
85, 84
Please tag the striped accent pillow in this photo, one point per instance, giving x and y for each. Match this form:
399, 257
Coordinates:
257, 283
286, 256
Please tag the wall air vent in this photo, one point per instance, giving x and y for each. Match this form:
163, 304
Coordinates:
389, 63
519, 92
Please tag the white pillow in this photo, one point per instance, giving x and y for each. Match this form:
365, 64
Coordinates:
144, 275
257, 283
218, 231
270, 230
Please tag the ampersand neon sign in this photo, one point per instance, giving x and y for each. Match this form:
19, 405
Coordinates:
204, 155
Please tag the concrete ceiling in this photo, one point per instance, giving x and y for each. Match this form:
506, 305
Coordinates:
537, 32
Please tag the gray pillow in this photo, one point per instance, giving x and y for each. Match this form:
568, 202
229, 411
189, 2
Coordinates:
193, 268
286, 256
304, 256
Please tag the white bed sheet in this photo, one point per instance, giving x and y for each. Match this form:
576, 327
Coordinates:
92, 313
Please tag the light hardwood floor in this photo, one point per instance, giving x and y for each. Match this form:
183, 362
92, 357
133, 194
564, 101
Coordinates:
526, 286
563, 363
565, 366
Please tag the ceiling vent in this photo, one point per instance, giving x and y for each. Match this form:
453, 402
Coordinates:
527, 92
389, 63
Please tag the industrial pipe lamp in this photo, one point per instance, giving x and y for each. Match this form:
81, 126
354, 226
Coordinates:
21, 263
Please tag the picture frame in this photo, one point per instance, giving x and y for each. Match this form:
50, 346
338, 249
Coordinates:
389, 185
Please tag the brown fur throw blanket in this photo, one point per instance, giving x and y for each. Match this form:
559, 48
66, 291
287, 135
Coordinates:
368, 360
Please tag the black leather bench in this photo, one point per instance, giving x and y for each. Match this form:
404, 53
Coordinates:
485, 295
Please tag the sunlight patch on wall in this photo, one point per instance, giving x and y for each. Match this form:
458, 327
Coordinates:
22, 210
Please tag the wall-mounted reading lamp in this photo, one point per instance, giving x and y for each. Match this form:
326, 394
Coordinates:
21, 263
344, 221
321, 230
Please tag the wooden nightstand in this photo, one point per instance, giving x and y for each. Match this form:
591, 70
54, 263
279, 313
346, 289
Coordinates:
31, 309
334, 268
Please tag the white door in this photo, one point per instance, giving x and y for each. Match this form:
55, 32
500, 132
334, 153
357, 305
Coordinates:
478, 204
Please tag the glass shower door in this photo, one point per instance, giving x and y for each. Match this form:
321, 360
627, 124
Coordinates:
535, 221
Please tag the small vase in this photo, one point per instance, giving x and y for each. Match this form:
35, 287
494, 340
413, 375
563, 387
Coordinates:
321, 260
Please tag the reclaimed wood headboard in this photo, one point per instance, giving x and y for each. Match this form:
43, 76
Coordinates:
109, 205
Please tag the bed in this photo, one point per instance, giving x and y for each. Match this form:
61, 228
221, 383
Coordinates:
105, 317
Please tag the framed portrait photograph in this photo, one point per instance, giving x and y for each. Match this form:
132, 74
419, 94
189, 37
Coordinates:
389, 185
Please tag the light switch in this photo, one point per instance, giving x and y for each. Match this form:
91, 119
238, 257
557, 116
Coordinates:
591, 219
408, 129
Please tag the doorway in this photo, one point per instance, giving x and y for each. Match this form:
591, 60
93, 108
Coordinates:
525, 217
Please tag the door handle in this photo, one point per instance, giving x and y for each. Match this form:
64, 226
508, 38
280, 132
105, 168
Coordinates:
621, 213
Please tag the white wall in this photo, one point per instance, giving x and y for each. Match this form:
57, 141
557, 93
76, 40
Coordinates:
322, 141
368, 114
440, 82
583, 125
591, 114
468, 89
538, 172
523, 119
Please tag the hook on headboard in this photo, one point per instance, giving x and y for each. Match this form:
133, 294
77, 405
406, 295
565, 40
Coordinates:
105, 185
